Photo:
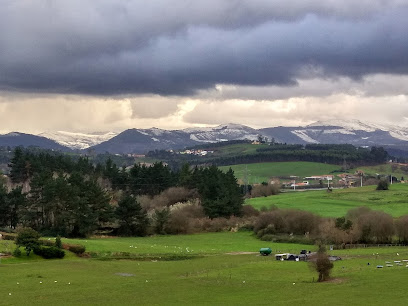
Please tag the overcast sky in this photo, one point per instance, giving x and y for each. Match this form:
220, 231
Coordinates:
108, 65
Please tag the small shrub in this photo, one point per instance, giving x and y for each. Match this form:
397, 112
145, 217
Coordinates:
382, 185
322, 264
49, 252
264, 190
76, 248
47, 243
178, 223
249, 211
28, 238
9, 237
17, 252
58, 243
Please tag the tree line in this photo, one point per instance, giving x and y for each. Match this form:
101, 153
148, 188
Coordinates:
322, 153
359, 225
74, 197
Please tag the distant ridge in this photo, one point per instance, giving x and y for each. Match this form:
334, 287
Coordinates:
15, 139
353, 132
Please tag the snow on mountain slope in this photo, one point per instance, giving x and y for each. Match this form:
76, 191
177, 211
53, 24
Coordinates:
223, 132
302, 134
401, 134
351, 125
353, 132
78, 140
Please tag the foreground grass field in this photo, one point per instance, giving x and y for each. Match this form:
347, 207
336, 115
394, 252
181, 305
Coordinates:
198, 244
215, 279
262, 172
338, 202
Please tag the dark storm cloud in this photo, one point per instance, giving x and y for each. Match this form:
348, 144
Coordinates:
177, 47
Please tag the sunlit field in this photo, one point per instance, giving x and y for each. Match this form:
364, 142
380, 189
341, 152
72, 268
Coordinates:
228, 271
338, 202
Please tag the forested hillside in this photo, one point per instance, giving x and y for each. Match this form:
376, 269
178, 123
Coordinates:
75, 197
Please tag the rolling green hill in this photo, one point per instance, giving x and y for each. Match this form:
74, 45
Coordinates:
385, 169
262, 172
337, 203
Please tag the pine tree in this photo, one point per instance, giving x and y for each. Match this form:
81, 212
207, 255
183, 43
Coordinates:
19, 166
132, 218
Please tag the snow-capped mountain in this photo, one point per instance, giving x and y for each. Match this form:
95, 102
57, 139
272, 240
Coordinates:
143, 140
15, 139
223, 132
78, 140
353, 132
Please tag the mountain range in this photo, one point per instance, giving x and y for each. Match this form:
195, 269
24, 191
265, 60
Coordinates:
353, 132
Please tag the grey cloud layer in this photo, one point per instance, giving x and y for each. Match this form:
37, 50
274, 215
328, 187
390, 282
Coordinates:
178, 47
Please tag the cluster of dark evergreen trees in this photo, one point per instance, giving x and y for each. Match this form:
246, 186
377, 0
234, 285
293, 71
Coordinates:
74, 197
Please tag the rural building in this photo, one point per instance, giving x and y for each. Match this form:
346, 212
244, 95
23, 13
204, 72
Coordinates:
302, 184
327, 177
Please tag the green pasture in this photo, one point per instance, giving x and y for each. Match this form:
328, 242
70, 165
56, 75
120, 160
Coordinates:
384, 169
214, 279
262, 172
237, 149
338, 202
197, 244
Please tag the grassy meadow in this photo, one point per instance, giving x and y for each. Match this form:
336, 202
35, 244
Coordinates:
198, 244
336, 204
262, 172
386, 169
216, 278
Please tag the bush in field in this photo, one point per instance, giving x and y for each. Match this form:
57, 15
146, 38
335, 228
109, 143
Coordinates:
249, 211
335, 231
382, 185
49, 252
17, 252
160, 219
58, 243
179, 223
301, 222
401, 226
271, 222
264, 190
177, 219
27, 238
371, 226
286, 222
322, 264
74, 248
